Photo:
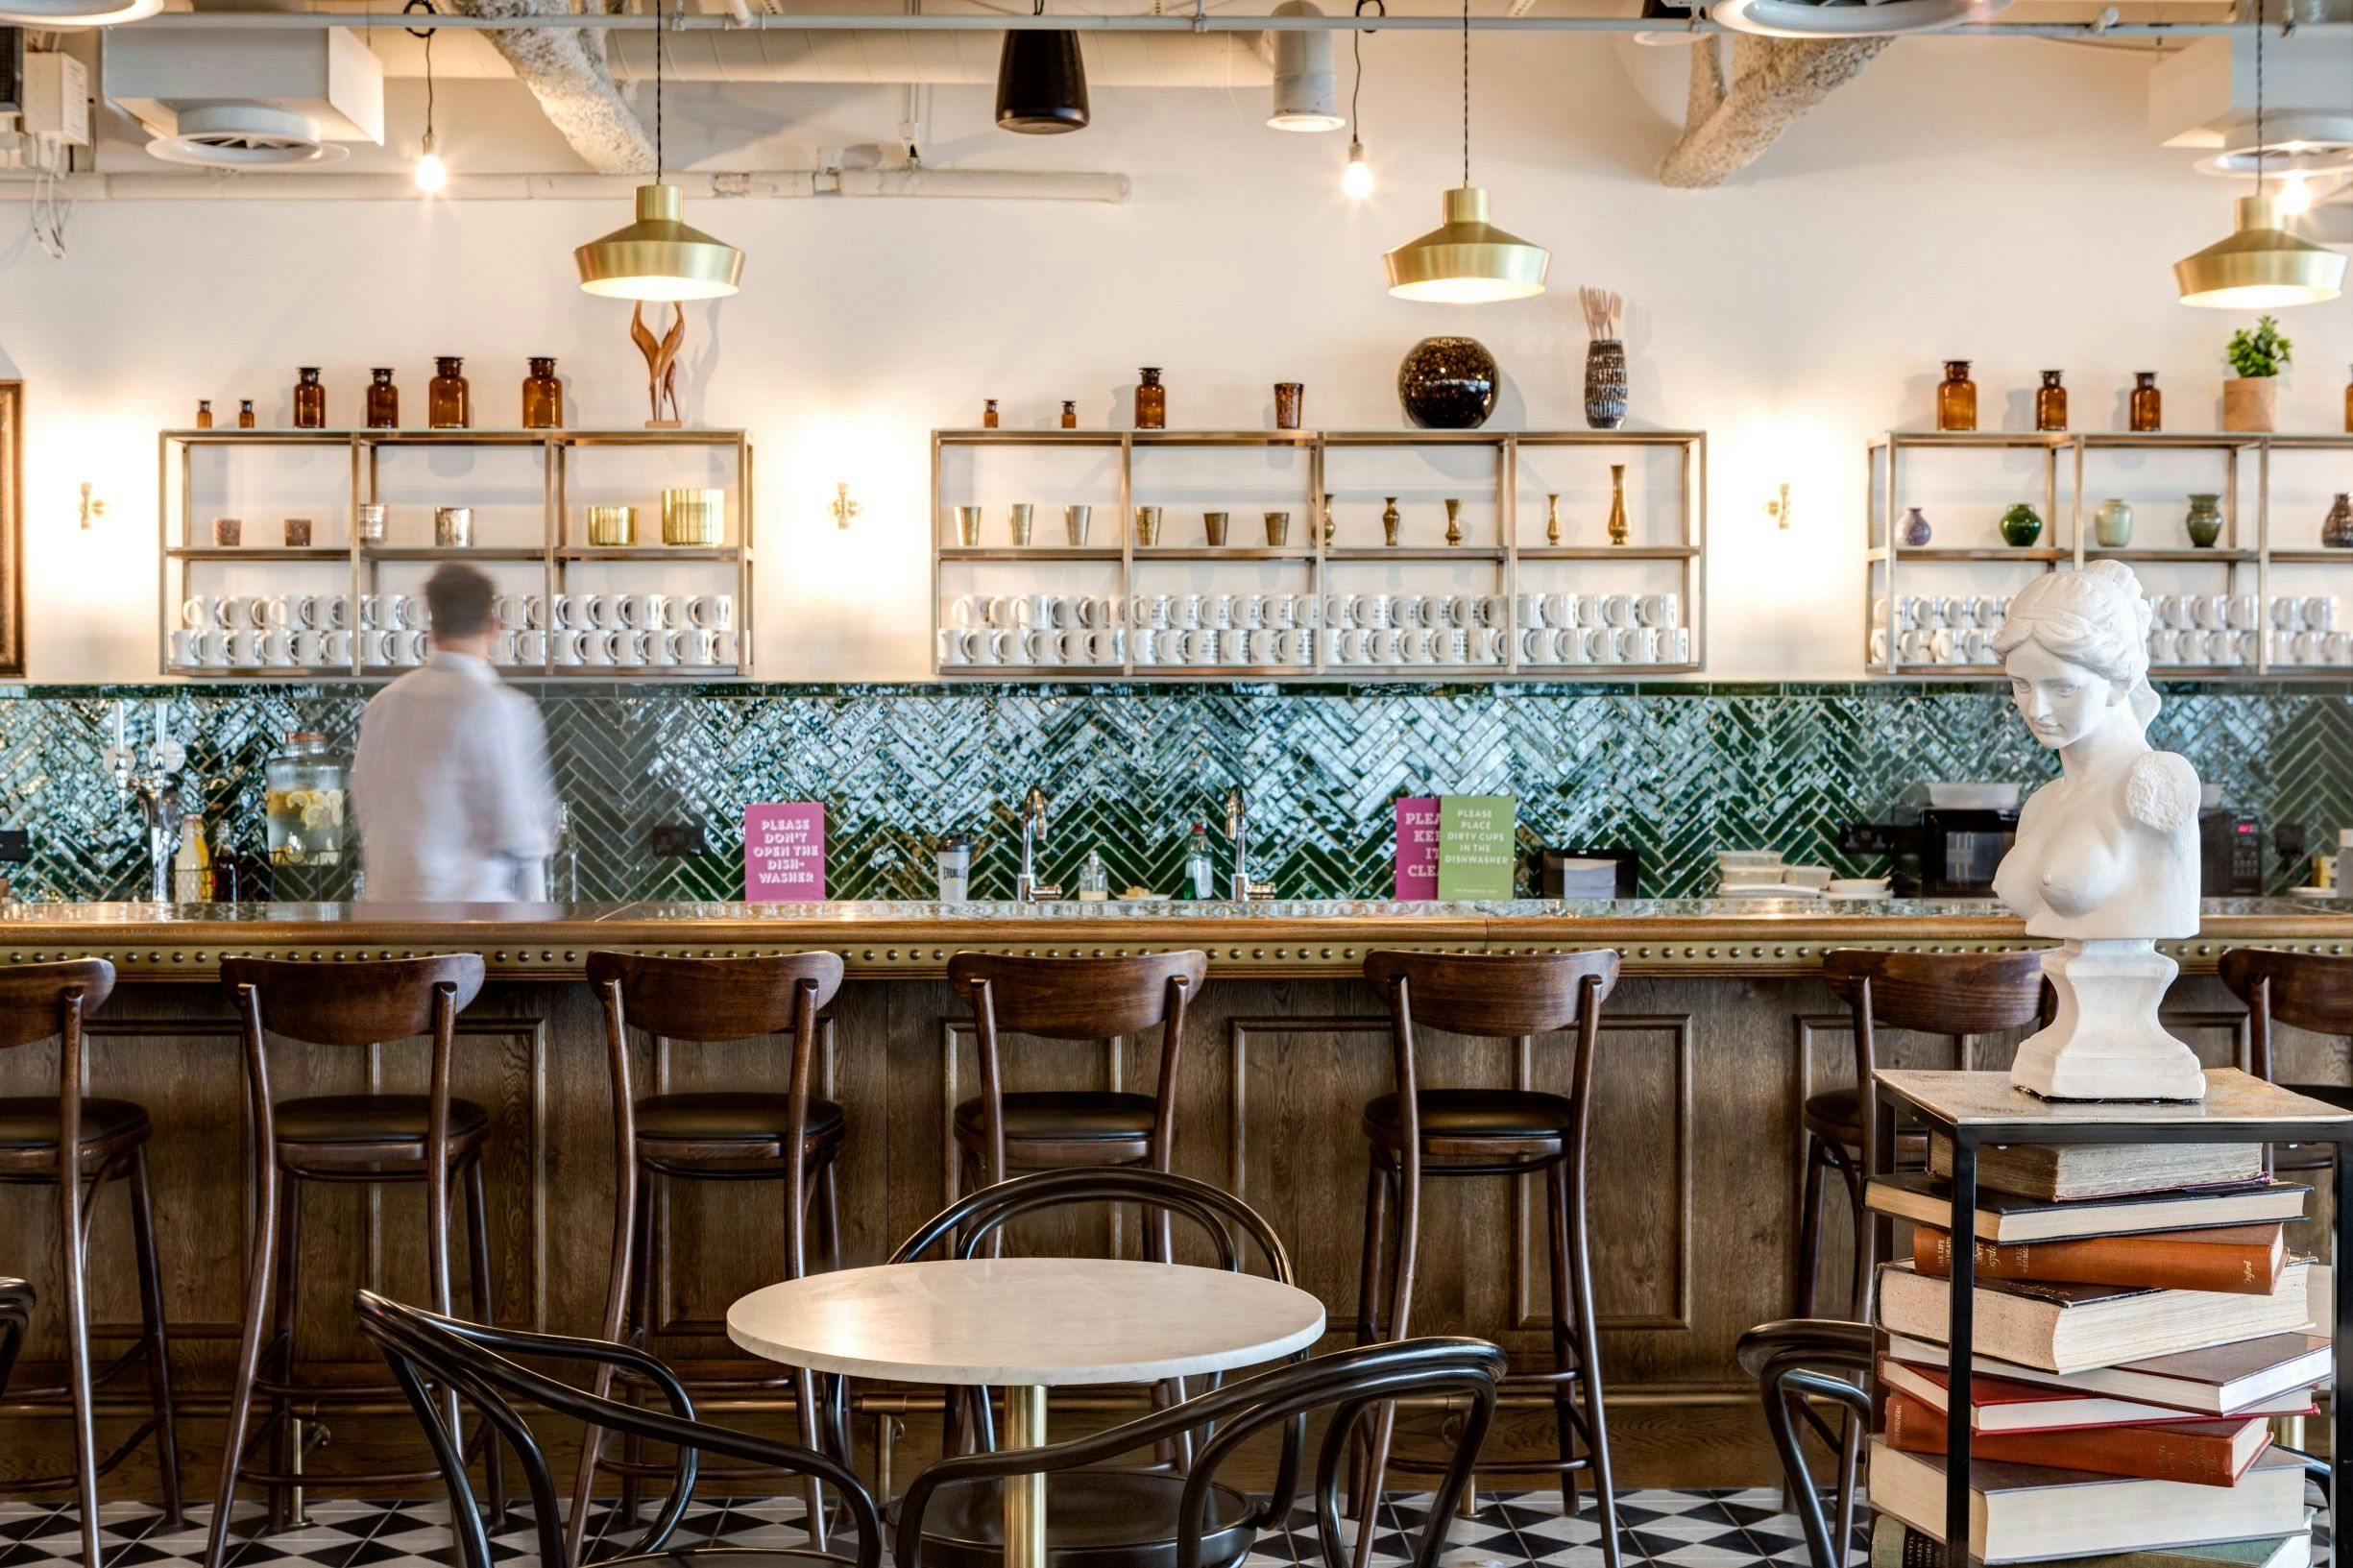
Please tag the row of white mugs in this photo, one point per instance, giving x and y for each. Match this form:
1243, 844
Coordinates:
1963, 612
2188, 647
283, 647
1266, 647
407, 613
1285, 611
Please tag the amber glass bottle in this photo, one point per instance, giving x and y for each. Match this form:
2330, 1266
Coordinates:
309, 401
2050, 404
449, 403
2148, 403
2348, 408
543, 396
245, 414
383, 400
988, 414
1070, 415
1151, 400
1956, 397
204, 413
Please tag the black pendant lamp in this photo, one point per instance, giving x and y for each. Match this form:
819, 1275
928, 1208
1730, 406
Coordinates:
1041, 82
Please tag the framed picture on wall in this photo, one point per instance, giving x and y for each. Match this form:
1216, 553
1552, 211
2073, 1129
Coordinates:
11, 529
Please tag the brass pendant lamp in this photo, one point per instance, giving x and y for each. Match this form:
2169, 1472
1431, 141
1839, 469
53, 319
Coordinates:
1467, 259
659, 257
2260, 266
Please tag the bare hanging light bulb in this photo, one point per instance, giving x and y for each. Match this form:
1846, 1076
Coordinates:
2294, 196
430, 173
1356, 180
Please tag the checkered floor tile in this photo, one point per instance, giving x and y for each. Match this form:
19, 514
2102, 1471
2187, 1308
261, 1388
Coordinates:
1511, 1530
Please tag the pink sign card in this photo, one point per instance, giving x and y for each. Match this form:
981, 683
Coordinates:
784, 852
1417, 847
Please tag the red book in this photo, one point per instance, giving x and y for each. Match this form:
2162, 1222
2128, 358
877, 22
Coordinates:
1997, 1404
2202, 1453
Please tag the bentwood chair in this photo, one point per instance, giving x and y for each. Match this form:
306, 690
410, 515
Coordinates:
787, 1136
16, 1314
999, 1132
1462, 1133
952, 1517
367, 1140
1795, 1365
1951, 994
430, 1353
108, 1143
2304, 991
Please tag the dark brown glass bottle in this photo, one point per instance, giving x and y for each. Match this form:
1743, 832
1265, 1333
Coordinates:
988, 412
2148, 403
245, 414
383, 400
1956, 397
1070, 414
204, 413
543, 396
448, 403
309, 401
2050, 404
1151, 400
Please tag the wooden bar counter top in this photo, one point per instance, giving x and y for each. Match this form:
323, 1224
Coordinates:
1708, 1048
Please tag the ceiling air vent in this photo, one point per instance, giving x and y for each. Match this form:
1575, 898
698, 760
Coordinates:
1847, 18
246, 136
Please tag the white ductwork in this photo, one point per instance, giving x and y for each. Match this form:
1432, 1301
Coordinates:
2202, 98
1774, 80
566, 70
884, 55
329, 78
971, 185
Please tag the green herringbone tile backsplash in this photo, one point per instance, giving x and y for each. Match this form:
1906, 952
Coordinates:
1675, 771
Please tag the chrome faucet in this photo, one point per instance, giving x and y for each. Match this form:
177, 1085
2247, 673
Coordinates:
1238, 829
1025, 886
156, 787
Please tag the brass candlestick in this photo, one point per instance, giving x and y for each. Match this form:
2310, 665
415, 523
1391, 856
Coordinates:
1552, 519
1454, 521
1390, 522
1619, 532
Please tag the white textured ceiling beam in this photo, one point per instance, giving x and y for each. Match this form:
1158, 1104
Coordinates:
565, 69
1774, 80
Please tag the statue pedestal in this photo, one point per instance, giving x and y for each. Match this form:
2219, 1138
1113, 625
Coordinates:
2107, 1042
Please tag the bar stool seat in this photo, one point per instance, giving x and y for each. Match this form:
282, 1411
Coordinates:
1836, 1116
1093, 1519
1063, 1116
30, 1120
1478, 1113
372, 1118
749, 1118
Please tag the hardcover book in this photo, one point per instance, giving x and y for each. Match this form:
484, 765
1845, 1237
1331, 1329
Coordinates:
2240, 1259
2072, 1328
2214, 1380
2006, 1218
2202, 1452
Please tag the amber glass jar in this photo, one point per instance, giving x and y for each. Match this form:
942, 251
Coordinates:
449, 403
2348, 407
989, 415
2148, 403
309, 399
383, 400
203, 411
245, 414
1956, 397
1151, 400
2050, 404
543, 396
1070, 414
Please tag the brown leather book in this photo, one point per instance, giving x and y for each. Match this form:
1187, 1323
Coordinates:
2238, 1260
2202, 1453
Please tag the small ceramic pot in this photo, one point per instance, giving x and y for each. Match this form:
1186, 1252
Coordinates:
2020, 526
2112, 524
2205, 520
2250, 403
2337, 530
1913, 532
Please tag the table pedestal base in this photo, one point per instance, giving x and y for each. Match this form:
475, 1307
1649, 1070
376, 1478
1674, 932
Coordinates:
1025, 1496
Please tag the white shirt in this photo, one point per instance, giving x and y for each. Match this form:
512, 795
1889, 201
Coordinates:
450, 787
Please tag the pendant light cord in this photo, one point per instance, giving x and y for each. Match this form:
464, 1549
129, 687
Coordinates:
2259, 137
1466, 94
1356, 47
661, 44
426, 33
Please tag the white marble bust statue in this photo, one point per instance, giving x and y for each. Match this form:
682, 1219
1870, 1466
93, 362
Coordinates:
2106, 857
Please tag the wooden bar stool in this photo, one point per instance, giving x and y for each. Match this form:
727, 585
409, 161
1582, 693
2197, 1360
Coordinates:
1952, 994
1416, 1132
2304, 991
998, 1133
108, 1140
789, 1136
365, 1140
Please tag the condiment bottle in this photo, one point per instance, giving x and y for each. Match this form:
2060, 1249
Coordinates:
1093, 879
192, 862
1200, 871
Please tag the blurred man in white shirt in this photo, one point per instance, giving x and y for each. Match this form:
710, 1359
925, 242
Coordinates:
451, 784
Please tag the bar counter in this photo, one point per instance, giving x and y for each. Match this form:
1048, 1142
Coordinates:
1709, 1047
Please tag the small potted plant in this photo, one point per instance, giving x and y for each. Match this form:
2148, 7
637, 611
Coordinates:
2250, 399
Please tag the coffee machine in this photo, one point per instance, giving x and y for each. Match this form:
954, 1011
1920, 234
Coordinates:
1936, 852
2230, 853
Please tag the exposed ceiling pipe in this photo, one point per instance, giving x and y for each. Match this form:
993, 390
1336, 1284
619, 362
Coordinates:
1774, 80
967, 184
565, 69
967, 59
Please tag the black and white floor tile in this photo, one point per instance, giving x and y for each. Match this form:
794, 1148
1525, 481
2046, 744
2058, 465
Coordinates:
1511, 1530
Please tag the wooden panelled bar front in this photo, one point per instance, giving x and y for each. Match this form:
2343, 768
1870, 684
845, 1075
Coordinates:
1720, 1029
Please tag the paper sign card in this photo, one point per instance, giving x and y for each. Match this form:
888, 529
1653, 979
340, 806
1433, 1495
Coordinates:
784, 852
1476, 839
1417, 847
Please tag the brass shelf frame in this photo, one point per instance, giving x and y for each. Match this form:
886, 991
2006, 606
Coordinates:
1884, 559
177, 553
1505, 554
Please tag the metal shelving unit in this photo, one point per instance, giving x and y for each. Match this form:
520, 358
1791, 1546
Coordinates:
557, 550
1504, 555
1884, 559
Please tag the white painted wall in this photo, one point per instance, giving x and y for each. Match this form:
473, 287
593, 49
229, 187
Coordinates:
1995, 200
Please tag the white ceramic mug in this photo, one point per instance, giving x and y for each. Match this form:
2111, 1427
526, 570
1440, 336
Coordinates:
334, 647
696, 646
182, 645
413, 647
1568, 645
1663, 610
2286, 614
2320, 612
276, 646
570, 644
200, 611
1675, 645
530, 646
716, 612
1375, 611
212, 645
632, 645
245, 647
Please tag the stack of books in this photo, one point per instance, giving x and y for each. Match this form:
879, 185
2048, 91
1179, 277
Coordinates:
2138, 1322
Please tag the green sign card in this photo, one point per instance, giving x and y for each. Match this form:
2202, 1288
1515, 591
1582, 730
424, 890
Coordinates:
1475, 841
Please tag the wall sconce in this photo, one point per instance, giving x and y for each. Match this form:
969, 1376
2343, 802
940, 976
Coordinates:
1778, 509
843, 508
92, 509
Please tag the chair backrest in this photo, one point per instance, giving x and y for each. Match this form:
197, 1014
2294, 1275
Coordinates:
1349, 1384
716, 998
1499, 993
1795, 1364
16, 1314
1078, 999
2304, 990
964, 1227
34, 997
1940, 993
355, 1002
428, 1351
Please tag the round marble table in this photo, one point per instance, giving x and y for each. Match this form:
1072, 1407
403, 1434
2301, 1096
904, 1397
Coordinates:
1027, 1324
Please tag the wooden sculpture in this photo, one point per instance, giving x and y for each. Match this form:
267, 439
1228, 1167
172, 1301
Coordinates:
660, 363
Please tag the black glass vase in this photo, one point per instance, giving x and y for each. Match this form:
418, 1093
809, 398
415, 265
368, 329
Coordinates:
1448, 384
